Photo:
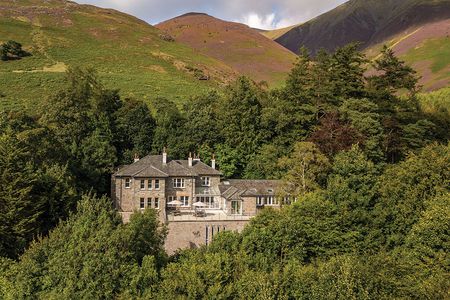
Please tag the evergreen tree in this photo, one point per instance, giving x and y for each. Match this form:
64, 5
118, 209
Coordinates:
19, 207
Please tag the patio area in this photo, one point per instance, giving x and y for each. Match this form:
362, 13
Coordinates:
210, 215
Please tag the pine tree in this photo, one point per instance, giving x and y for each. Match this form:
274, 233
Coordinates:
19, 207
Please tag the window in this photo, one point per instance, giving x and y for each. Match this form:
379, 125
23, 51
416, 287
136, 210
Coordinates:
178, 182
149, 185
205, 181
142, 184
156, 184
260, 201
209, 201
127, 183
271, 200
156, 203
184, 200
142, 203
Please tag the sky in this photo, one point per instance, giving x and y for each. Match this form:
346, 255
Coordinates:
263, 14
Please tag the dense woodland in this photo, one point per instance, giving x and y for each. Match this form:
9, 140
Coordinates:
368, 163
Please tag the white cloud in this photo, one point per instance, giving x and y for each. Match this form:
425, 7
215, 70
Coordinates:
265, 14
256, 21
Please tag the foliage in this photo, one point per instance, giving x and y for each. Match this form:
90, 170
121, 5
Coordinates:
12, 50
305, 169
368, 171
91, 255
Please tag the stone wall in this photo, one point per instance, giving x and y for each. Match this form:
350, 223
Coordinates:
187, 234
188, 190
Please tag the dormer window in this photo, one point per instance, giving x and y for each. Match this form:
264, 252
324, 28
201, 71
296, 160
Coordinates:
178, 182
127, 183
206, 181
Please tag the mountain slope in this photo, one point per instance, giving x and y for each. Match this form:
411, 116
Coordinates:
417, 30
237, 45
366, 21
128, 53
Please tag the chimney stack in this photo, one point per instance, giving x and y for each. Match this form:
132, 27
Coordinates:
136, 157
213, 162
190, 159
196, 157
164, 155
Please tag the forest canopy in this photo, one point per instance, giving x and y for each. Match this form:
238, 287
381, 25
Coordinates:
366, 157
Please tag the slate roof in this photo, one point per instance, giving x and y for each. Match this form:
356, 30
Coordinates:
238, 188
152, 166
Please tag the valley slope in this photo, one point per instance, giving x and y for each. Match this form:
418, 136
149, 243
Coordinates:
417, 30
237, 45
128, 54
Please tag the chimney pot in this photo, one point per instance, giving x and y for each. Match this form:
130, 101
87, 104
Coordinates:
213, 162
164, 156
190, 159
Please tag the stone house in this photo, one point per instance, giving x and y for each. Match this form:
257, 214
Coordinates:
179, 189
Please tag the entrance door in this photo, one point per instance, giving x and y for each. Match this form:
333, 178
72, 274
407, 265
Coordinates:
235, 207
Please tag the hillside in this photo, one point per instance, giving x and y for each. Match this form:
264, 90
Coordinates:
276, 33
128, 53
237, 45
416, 29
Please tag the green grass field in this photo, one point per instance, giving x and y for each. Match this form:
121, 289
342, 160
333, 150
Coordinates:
126, 52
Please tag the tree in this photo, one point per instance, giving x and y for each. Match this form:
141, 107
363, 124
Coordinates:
169, 126
334, 135
352, 186
82, 119
90, 255
394, 74
135, 126
19, 207
12, 50
404, 189
201, 126
305, 169
363, 116
265, 163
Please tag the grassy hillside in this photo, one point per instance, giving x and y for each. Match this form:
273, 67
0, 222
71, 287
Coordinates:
128, 53
426, 48
237, 45
276, 33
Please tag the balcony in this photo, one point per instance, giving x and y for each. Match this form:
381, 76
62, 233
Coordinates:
211, 215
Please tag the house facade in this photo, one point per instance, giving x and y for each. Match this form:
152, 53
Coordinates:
190, 197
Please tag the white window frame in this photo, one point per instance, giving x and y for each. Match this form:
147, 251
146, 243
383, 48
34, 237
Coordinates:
178, 183
271, 200
157, 184
142, 184
260, 200
141, 203
206, 180
128, 183
185, 201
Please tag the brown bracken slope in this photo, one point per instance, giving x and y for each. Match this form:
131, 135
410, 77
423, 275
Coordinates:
237, 45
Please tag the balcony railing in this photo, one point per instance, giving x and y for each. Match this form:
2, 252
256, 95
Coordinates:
210, 216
